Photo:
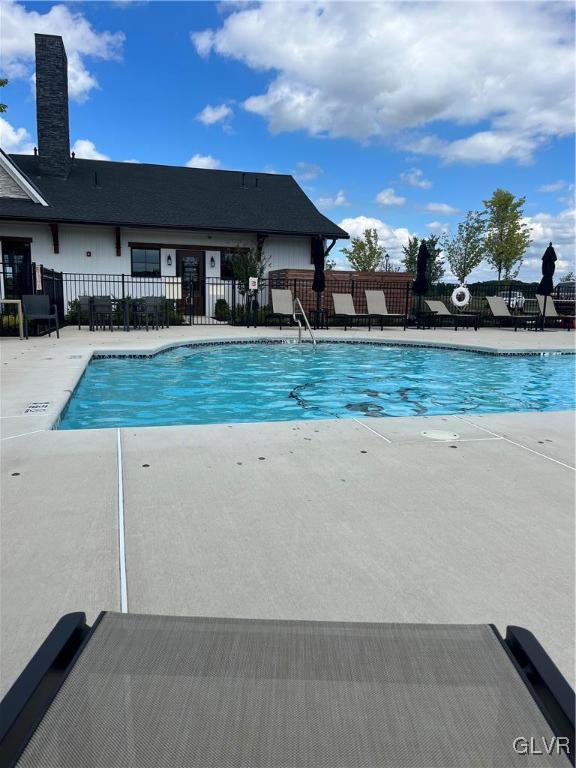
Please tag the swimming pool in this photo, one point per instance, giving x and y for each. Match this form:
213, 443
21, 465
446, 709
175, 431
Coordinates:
231, 383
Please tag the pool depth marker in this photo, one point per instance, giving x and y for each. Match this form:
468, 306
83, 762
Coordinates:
121, 539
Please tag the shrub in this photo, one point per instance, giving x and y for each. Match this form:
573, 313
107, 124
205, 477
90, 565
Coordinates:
222, 310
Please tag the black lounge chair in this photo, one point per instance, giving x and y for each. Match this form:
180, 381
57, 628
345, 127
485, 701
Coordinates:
503, 316
552, 313
282, 305
378, 309
440, 313
344, 308
37, 307
143, 691
85, 311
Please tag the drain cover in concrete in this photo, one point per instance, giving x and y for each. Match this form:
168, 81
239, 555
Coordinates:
36, 407
439, 434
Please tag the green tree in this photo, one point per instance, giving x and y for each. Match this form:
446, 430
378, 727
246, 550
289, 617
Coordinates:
435, 265
568, 277
246, 264
365, 253
3, 82
410, 257
465, 250
507, 235
329, 264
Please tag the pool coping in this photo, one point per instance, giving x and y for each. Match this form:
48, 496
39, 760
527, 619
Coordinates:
108, 354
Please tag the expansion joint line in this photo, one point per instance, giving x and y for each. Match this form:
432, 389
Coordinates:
513, 442
121, 529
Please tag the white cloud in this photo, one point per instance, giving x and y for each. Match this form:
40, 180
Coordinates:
334, 202
80, 39
415, 178
559, 229
211, 115
555, 187
388, 197
203, 161
307, 171
438, 227
440, 208
86, 149
416, 83
15, 140
391, 238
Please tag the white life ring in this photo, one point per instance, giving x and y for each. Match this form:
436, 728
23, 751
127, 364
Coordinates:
460, 296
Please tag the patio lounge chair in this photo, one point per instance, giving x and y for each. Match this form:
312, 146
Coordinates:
440, 312
502, 314
37, 307
282, 305
344, 307
142, 691
376, 303
552, 313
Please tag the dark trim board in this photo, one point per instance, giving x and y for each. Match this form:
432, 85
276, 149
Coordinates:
19, 239
170, 227
180, 247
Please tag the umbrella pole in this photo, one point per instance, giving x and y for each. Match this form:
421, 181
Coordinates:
544, 311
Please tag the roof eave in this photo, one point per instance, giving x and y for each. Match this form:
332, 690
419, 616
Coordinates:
137, 224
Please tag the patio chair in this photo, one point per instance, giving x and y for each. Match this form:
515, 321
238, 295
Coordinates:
102, 312
344, 308
85, 310
37, 307
441, 312
503, 316
142, 691
282, 305
377, 308
552, 313
149, 310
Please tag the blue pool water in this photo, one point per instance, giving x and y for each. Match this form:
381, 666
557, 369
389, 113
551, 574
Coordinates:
280, 382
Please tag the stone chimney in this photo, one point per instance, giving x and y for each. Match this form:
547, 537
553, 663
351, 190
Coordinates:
52, 105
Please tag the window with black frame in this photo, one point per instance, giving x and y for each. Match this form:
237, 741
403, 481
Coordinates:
145, 262
226, 265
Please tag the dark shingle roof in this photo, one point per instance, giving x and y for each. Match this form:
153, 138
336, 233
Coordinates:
127, 194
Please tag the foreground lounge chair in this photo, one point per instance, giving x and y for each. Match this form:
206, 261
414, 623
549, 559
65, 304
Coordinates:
552, 313
440, 312
282, 305
142, 691
344, 308
376, 303
502, 314
37, 307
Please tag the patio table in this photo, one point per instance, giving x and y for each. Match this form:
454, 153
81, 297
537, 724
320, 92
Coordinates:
143, 690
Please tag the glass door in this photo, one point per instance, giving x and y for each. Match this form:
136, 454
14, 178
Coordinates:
16, 268
190, 268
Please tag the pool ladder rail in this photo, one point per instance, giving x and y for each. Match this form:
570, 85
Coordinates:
299, 309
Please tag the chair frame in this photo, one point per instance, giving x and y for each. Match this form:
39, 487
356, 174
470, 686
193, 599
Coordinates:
32, 315
381, 315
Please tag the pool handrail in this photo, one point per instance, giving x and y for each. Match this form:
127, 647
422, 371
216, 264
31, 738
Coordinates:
299, 308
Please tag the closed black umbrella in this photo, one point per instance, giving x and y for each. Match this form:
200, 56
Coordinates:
420, 285
546, 285
319, 281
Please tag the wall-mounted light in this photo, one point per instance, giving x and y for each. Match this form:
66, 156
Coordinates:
169, 260
212, 262
88, 253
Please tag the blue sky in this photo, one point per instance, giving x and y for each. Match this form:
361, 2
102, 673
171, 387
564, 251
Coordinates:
381, 124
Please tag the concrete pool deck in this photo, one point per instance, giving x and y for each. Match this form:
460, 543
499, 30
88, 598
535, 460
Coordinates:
358, 520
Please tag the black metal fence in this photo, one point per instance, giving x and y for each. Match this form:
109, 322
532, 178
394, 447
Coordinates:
216, 301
